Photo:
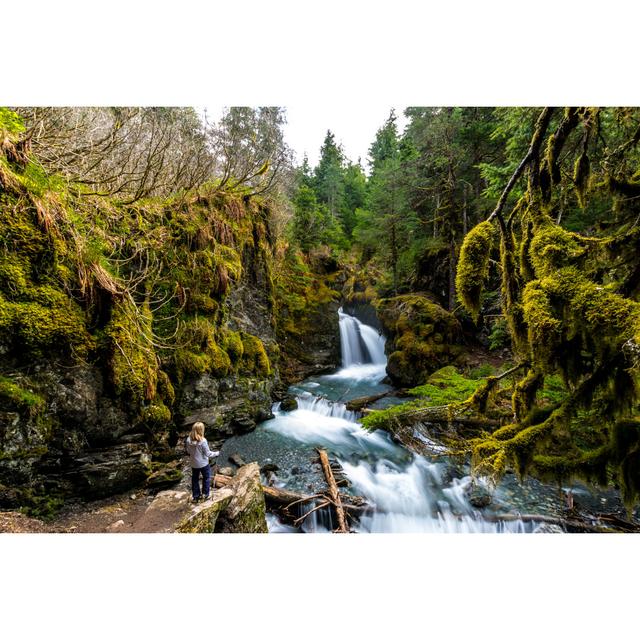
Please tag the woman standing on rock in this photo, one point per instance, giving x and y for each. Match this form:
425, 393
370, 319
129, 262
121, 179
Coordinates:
199, 453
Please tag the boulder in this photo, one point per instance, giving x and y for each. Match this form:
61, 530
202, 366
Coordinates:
165, 476
289, 403
202, 517
478, 496
104, 472
421, 338
246, 512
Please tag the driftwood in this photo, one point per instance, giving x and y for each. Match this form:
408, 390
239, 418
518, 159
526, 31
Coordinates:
343, 527
283, 499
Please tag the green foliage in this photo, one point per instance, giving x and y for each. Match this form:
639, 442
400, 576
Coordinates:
499, 335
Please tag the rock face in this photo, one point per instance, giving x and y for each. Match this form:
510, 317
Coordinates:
421, 337
315, 349
246, 513
226, 405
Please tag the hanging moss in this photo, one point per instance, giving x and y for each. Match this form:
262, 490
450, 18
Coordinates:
132, 361
544, 328
473, 266
581, 170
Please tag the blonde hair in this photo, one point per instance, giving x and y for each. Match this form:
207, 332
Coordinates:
197, 432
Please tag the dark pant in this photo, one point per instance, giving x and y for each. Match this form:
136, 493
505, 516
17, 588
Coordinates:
206, 481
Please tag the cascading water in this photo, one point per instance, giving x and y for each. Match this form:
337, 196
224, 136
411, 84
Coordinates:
408, 493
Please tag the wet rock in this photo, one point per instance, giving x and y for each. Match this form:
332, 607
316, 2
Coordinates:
226, 471
246, 513
289, 403
296, 471
269, 467
236, 459
478, 496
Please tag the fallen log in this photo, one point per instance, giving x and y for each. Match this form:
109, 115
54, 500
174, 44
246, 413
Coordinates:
282, 498
343, 527
357, 404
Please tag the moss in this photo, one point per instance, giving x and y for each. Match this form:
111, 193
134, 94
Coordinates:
199, 352
20, 398
524, 395
232, 344
165, 388
581, 170
133, 363
422, 337
254, 358
544, 328
553, 248
156, 416
445, 386
11, 124
473, 266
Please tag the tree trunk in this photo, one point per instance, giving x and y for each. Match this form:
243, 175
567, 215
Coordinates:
333, 491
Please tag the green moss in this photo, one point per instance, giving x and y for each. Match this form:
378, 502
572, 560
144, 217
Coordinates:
445, 386
199, 352
422, 337
544, 328
473, 266
553, 248
165, 388
11, 124
20, 398
132, 361
254, 358
232, 344
156, 416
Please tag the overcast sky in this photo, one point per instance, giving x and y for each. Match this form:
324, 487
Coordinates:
354, 126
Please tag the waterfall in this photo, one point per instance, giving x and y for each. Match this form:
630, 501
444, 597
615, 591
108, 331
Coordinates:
360, 343
407, 492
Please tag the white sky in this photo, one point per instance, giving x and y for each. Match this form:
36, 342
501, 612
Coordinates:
353, 124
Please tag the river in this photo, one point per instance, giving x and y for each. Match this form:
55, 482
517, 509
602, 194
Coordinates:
407, 492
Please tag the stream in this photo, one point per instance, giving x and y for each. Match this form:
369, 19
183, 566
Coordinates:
407, 492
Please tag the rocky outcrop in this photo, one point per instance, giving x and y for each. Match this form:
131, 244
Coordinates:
226, 405
315, 348
246, 513
421, 337
238, 507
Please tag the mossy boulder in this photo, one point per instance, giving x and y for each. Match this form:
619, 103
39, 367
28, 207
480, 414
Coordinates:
421, 337
246, 513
